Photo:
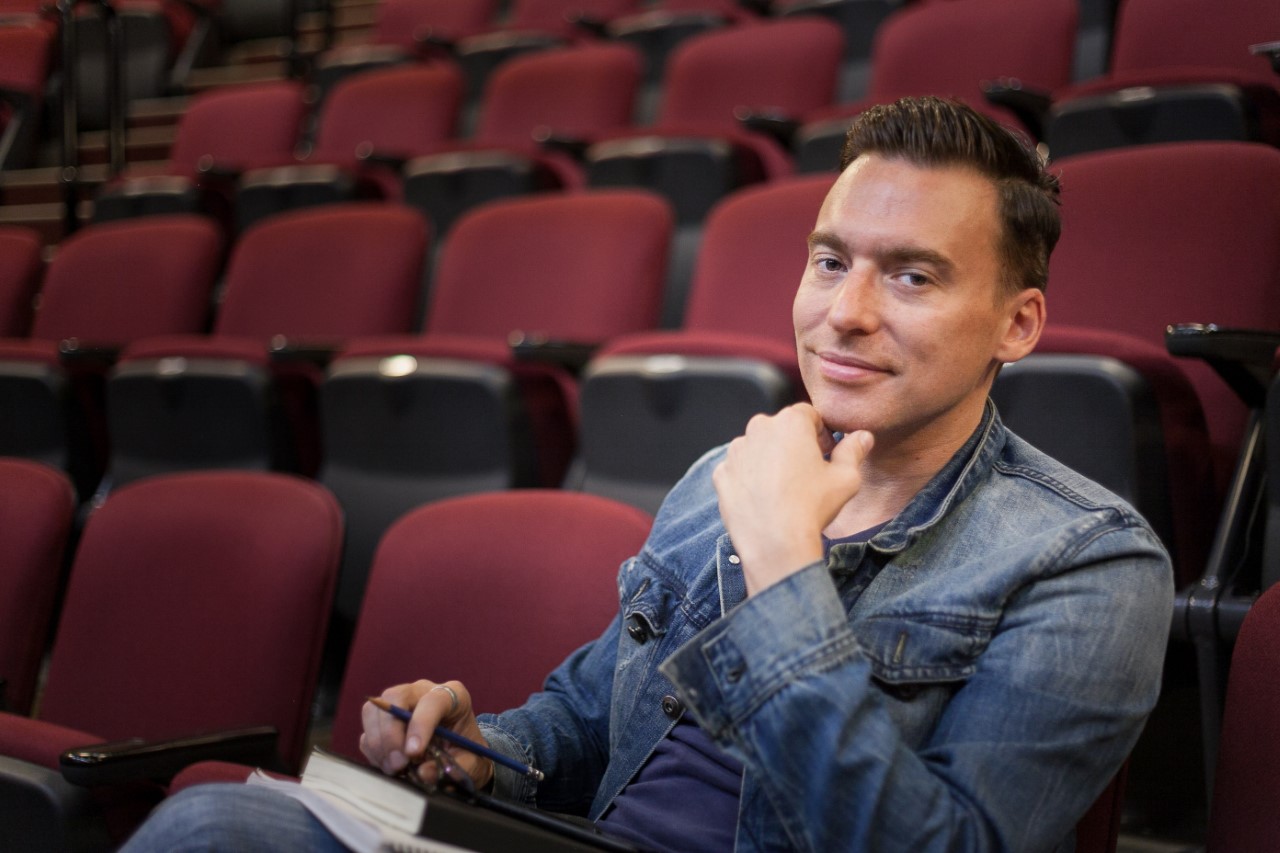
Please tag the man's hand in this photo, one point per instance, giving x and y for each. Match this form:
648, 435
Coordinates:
392, 745
780, 485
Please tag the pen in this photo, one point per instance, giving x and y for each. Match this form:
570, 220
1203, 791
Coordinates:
453, 737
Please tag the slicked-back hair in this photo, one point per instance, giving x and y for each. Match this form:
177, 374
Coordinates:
936, 132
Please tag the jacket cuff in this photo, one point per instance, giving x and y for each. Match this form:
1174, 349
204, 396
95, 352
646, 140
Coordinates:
507, 783
734, 665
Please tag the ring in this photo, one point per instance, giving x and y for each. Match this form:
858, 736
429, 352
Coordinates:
452, 695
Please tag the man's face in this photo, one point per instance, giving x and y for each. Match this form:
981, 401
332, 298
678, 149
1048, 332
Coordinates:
900, 322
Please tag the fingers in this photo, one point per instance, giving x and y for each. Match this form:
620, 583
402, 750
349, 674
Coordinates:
853, 449
393, 745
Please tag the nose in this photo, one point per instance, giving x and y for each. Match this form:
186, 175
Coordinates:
855, 304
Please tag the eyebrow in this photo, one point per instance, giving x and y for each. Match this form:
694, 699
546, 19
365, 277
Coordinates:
887, 255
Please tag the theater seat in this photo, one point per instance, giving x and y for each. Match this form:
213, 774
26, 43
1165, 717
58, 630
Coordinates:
21, 268
196, 603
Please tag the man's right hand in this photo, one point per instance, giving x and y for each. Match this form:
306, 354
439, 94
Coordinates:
393, 746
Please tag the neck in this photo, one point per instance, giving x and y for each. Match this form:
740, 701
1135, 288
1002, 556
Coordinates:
894, 472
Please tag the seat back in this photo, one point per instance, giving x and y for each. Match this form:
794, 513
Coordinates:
396, 112
21, 268
197, 602
555, 16
579, 267
326, 273
451, 563
970, 42
25, 57
36, 507
405, 22
1153, 34
571, 91
236, 127
1147, 235
116, 282
788, 67
1241, 818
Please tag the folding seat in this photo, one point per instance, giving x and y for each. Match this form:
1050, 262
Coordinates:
533, 25
698, 150
1171, 79
1147, 234
37, 504
1248, 768
222, 133
404, 31
296, 286
21, 268
108, 285
367, 125
451, 560
859, 20
652, 403
460, 408
561, 93
968, 43
26, 52
218, 587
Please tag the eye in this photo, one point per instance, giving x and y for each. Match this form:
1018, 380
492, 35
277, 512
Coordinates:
912, 278
829, 264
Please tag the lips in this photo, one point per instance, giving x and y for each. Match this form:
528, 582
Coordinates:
842, 367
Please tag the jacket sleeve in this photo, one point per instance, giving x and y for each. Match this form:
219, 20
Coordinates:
1022, 746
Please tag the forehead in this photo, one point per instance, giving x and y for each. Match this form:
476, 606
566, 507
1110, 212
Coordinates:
942, 206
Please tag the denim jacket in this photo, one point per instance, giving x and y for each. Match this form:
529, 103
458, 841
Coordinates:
968, 679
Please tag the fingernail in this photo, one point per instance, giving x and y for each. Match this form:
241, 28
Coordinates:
413, 745
866, 440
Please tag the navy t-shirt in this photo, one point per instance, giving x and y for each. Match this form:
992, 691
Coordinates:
685, 797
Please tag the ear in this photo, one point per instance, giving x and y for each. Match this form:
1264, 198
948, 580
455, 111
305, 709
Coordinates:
1024, 321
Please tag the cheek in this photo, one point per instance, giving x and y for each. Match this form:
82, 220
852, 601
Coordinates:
806, 310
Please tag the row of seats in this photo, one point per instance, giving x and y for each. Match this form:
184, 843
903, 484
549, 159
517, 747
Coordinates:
205, 572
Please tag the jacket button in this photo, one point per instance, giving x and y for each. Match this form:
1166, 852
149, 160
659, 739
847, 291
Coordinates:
671, 706
638, 630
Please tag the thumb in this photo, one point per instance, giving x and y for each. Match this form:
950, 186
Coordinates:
853, 449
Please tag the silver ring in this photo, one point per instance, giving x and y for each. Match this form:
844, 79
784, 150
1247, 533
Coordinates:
452, 695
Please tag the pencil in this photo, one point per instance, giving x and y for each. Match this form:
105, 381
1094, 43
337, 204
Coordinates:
453, 737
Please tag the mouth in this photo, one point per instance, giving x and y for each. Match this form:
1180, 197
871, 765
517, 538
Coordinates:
842, 367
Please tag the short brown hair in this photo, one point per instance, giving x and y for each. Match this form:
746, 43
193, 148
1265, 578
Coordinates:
932, 131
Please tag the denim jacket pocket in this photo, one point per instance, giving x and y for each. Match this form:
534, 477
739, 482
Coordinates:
918, 660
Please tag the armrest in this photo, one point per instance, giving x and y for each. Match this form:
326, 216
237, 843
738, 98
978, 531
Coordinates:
1271, 50
781, 127
319, 353
594, 26
136, 759
1031, 106
73, 352
1242, 357
365, 153
571, 355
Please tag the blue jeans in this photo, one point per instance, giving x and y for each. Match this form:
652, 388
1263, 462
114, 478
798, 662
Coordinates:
231, 817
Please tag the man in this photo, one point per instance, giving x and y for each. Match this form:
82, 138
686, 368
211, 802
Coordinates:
877, 621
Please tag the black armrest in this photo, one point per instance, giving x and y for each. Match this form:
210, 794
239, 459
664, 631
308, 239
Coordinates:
73, 352
571, 355
594, 26
365, 153
1242, 357
320, 353
136, 759
552, 141
781, 127
1271, 50
760, 7
1031, 106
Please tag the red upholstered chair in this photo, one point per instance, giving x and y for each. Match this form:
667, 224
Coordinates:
454, 409
222, 133
1241, 819
296, 286
36, 507
1148, 235
25, 60
968, 43
1171, 81
21, 268
698, 150
196, 603
367, 125
108, 285
571, 92
653, 402
450, 560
